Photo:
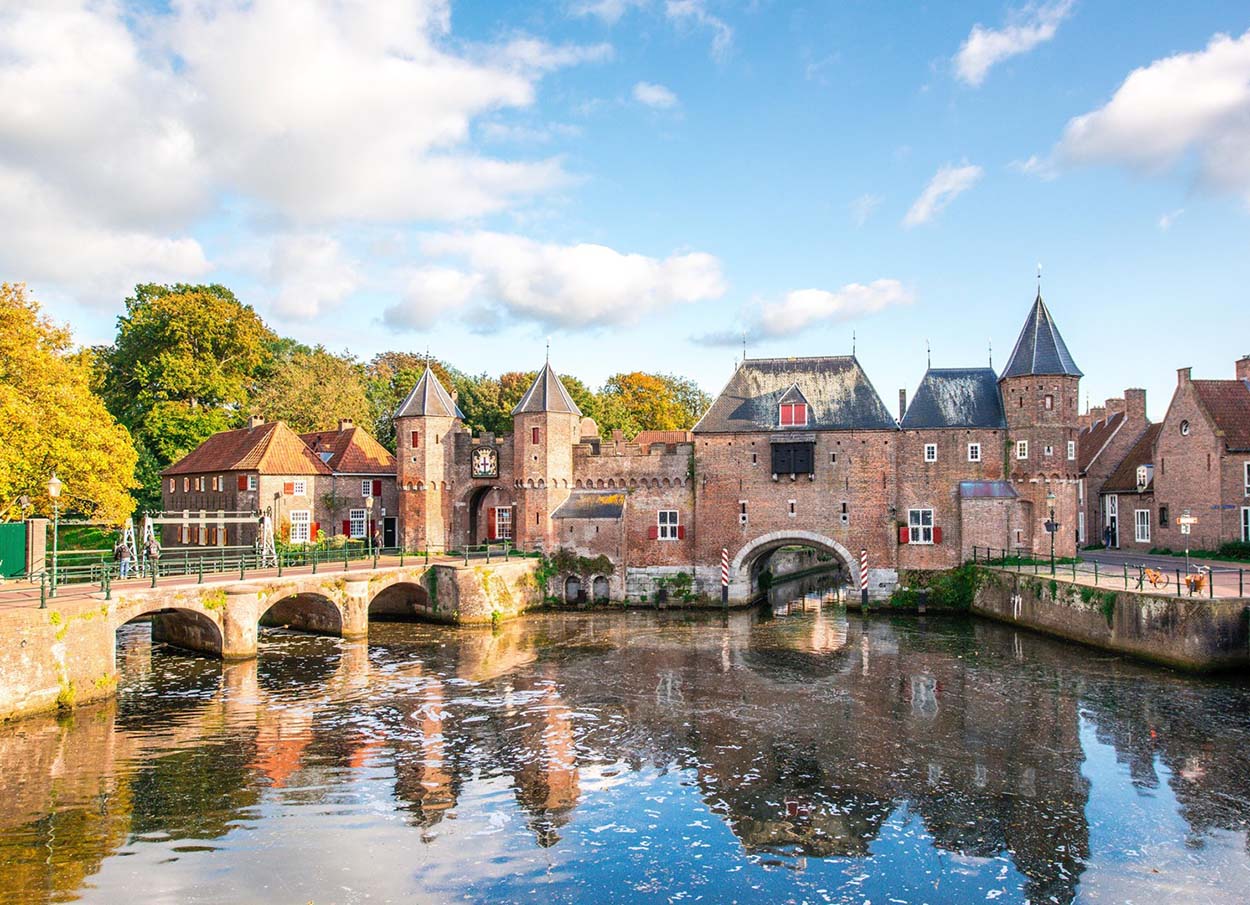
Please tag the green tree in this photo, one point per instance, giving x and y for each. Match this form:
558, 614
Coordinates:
52, 420
183, 366
639, 401
312, 389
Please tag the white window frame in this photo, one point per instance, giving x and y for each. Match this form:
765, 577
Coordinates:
301, 526
299, 488
974, 452
251, 482
1080, 526
930, 452
666, 521
1071, 450
366, 488
1112, 507
357, 523
1143, 475
920, 526
503, 523
1022, 449
1245, 524
1141, 526
173, 485
1246, 466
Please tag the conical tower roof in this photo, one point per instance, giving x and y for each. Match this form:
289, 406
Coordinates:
1040, 349
547, 394
429, 399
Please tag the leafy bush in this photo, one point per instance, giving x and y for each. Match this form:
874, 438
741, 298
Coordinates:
952, 589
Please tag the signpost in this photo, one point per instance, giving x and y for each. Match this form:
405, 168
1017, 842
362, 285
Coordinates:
863, 579
1186, 521
724, 577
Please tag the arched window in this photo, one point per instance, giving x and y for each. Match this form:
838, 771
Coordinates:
572, 589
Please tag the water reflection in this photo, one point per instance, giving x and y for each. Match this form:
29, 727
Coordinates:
796, 752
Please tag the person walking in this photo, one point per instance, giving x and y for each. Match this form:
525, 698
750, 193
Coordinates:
124, 557
1106, 537
154, 554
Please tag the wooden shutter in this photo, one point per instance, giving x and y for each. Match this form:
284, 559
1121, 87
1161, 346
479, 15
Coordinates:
492, 532
377, 487
904, 535
416, 439
316, 526
243, 482
937, 535
288, 488
653, 533
681, 532
803, 458
347, 527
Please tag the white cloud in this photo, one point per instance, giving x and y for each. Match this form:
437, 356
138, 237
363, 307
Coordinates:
1041, 167
1195, 103
607, 11
579, 285
311, 273
694, 12
802, 308
1026, 28
130, 128
430, 293
1166, 220
653, 95
947, 184
862, 208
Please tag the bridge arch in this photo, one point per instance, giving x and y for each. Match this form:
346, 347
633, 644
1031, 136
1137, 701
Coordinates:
401, 601
181, 627
742, 567
304, 611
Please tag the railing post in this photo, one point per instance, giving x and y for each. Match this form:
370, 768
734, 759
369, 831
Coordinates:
375, 557
1241, 582
108, 583
346, 551
201, 578
43, 591
401, 556
242, 566
1126, 576
314, 560
1211, 583
466, 554
488, 552
278, 559
1095, 573
1178, 583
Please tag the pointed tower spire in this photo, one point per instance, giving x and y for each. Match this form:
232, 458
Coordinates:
429, 399
547, 394
1040, 349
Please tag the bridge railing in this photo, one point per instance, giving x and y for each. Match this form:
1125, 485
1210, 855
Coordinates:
197, 562
1174, 580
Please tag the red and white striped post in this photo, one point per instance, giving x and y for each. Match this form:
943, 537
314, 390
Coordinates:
863, 578
724, 577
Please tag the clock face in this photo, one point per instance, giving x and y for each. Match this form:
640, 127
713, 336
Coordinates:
485, 462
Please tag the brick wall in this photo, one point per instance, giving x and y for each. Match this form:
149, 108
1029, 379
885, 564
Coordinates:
1188, 473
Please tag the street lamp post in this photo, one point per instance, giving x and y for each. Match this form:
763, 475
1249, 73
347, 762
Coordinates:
369, 523
1051, 528
54, 490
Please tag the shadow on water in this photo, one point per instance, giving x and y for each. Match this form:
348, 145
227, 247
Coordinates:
624, 755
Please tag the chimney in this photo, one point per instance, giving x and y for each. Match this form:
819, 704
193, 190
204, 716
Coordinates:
255, 421
345, 424
1135, 402
902, 404
1097, 413
1083, 421
1243, 368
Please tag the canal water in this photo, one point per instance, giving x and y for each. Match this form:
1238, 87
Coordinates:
793, 753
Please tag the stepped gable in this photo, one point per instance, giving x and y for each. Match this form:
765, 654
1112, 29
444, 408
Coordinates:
1094, 439
547, 394
1040, 349
1124, 478
956, 397
269, 448
1227, 402
351, 450
838, 393
429, 399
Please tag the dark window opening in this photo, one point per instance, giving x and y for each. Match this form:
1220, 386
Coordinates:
794, 458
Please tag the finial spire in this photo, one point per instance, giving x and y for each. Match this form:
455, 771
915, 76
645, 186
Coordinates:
853, 340
427, 356
1039, 279
548, 350
928, 354
744, 345
991, 345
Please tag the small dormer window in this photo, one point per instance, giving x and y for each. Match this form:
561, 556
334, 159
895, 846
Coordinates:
1143, 477
794, 414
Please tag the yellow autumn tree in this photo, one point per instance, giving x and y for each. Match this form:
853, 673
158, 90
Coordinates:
52, 421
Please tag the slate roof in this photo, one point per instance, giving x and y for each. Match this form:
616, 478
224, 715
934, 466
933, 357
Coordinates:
1094, 439
591, 504
429, 399
1124, 478
1228, 404
547, 394
1040, 349
985, 490
352, 451
956, 397
838, 393
270, 448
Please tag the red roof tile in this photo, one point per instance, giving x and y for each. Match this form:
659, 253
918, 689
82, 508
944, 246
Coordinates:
1093, 439
1124, 478
1228, 404
352, 451
271, 448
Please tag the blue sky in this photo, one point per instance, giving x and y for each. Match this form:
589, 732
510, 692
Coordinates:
642, 180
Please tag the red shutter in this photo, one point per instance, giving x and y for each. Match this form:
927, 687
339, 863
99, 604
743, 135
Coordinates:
653, 533
316, 526
937, 535
416, 439
347, 527
681, 532
243, 482
377, 488
491, 533
903, 534
534, 435
288, 488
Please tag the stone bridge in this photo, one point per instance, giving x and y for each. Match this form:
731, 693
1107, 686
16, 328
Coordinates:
66, 654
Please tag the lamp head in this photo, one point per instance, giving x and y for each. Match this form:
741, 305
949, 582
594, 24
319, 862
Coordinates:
54, 486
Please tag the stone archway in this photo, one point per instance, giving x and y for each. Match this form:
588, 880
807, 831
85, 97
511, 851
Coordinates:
402, 601
304, 612
741, 572
184, 628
